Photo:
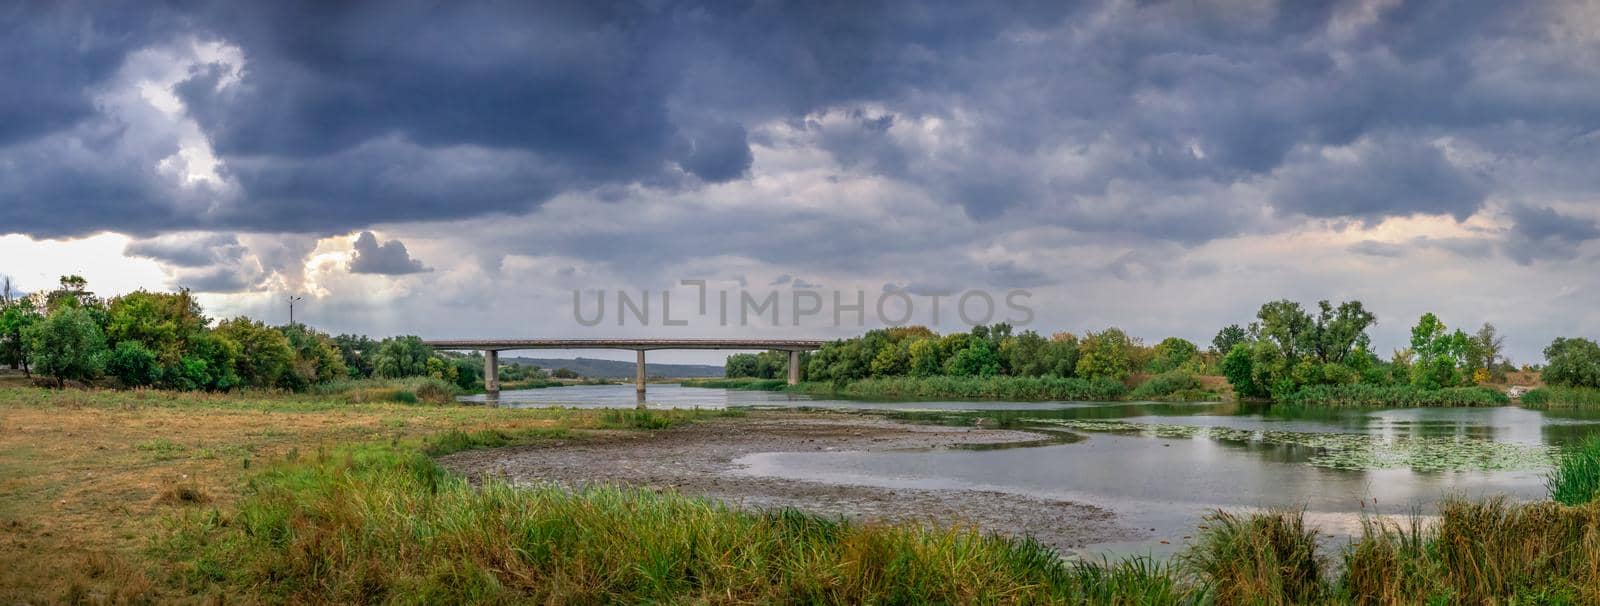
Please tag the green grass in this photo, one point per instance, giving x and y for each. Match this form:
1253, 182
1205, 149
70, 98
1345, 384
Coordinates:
1576, 477
739, 383
383, 523
1266, 558
1405, 396
1562, 397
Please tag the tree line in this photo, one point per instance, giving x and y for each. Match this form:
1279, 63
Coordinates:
154, 339
1285, 349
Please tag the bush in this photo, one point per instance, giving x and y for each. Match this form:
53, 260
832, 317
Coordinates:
133, 364
1362, 394
1179, 385
1576, 477
67, 345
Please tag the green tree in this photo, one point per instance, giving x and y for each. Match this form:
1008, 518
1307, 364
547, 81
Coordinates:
927, 358
1572, 363
1106, 354
162, 322
1490, 347
977, 359
264, 355
402, 357
208, 363
1229, 336
67, 345
1440, 354
1237, 366
740, 365
15, 317
133, 365
1026, 355
1172, 353
358, 352
316, 357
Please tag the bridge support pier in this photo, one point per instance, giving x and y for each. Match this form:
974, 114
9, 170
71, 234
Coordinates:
794, 367
491, 371
638, 379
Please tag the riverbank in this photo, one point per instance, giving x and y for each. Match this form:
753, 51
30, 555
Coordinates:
704, 459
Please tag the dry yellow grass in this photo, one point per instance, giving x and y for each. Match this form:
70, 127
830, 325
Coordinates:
89, 478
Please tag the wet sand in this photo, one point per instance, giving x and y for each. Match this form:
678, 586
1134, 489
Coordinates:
700, 459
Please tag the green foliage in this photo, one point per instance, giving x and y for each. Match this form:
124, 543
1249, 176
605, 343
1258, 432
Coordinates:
67, 345
359, 353
163, 322
1171, 354
1576, 477
316, 358
1238, 367
764, 365
994, 387
1173, 385
264, 355
16, 315
977, 359
1572, 363
1442, 357
207, 364
402, 357
1227, 338
1562, 397
1362, 394
1105, 355
564, 373
133, 365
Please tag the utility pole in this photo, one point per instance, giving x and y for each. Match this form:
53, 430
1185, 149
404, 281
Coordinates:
292, 299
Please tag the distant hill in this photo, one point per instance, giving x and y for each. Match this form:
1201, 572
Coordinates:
591, 367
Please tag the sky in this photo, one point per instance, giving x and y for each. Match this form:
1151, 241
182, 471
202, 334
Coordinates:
462, 169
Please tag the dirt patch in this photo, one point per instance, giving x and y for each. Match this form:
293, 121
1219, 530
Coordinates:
700, 460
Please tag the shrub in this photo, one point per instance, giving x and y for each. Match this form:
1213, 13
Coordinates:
133, 364
1170, 384
1572, 363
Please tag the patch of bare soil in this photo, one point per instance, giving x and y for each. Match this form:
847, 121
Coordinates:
698, 459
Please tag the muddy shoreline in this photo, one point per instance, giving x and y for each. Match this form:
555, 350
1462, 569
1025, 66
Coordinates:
699, 459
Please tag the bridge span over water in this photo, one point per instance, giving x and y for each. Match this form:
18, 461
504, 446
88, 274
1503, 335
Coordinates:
491, 349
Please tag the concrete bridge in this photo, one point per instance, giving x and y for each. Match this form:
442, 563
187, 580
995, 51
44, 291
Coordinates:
491, 349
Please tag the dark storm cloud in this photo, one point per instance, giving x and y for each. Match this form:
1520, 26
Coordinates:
388, 258
1130, 119
1544, 233
1387, 180
188, 251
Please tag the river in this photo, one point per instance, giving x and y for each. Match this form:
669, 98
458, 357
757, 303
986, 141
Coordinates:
1160, 467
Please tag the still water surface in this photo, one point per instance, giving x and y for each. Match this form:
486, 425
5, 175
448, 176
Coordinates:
1161, 466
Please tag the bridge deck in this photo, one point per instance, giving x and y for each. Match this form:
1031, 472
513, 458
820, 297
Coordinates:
633, 344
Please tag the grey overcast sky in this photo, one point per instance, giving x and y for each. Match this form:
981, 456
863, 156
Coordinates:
458, 168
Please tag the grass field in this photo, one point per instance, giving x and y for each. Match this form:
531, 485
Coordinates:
91, 479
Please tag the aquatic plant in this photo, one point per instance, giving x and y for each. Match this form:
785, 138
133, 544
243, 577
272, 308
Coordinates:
1576, 477
1562, 397
1352, 451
